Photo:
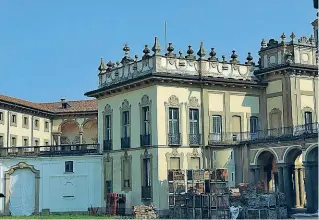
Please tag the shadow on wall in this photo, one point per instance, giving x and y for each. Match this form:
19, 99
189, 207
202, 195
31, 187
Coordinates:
163, 198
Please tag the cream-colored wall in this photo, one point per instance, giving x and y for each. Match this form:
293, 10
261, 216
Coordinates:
274, 86
183, 94
306, 84
216, 102
307, 101
274, 102
21, 132
244, 104
134, 98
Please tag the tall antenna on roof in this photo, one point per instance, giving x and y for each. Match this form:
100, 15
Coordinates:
165, 32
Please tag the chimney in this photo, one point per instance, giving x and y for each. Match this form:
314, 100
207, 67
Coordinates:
64, 103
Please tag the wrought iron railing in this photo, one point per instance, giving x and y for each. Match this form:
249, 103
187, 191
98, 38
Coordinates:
145, 140
174, 139
268, 135
125, 142
146, 192
56, 150
107, 145
194, 139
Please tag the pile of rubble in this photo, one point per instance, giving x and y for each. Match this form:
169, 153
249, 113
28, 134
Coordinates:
256, 204
144, 212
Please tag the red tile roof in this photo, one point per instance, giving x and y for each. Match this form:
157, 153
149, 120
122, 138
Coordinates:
54, 107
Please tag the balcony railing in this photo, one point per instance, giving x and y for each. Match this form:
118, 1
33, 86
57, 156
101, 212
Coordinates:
174, 139
125, 142
107, 145
277, 134
56, 150
195, 139
145, 140
146, 192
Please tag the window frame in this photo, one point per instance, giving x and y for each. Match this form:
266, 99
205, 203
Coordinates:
35, 121
11, 140
108, 130
46, 129
2, 140
256, 128
23, 141
67, 165
15, 117
2, 116
126, 158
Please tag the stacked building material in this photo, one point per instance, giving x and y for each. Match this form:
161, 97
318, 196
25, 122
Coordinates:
144, 212
206, 197
258, 204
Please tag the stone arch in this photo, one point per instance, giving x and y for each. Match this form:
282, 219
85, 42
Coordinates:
63, 123
8, 173
265, 150
289, 150
309, 150
70, 131
89, 131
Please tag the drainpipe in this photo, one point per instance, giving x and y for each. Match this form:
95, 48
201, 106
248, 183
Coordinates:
8, 127
51, 136
32, 130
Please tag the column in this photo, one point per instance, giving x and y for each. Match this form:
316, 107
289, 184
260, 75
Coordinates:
280, 178
309, 191
302, 188
256, 173
288, 184
59, 142
297, 199
81, 137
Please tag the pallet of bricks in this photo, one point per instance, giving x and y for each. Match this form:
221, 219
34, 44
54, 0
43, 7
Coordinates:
177, 194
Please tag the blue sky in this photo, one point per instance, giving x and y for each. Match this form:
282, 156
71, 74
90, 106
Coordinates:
51, 49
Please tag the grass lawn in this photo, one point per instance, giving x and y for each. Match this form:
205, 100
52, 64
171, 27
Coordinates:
62, 216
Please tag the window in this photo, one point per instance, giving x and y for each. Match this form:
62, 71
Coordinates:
216, 127
13, 141
231, 155
253, 125
68, 167
14, 119
46, 126
146, 172
308, 120
25, 142
175, 163
108, 134
36, 142
173, 121
194, 163
1, 141
146, 120
193, 121
36, 123
108, 186
126, 174
46, 143
25, 121
232, 176
126, 123
1, 117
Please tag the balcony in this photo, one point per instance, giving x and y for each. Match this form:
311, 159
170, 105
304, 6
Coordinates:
174, 140
194, 139
146, 192
268, 135
145, 140
107, 145
47, 151
125, 142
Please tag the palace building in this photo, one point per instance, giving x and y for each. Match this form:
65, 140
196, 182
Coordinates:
197, 111
168, 110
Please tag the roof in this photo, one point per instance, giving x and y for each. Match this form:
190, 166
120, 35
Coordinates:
54, 107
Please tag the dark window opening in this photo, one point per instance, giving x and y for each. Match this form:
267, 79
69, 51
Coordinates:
69, 166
